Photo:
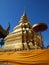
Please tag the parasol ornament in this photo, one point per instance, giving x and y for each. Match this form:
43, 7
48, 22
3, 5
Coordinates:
39, 27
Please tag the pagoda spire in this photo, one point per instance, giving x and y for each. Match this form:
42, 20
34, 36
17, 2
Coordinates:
24, 14
24, 17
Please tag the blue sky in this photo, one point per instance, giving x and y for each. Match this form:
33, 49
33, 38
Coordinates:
36, 10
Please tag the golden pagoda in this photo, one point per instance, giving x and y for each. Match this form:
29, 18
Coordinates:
23, 37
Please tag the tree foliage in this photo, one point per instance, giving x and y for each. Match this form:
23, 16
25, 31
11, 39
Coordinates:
1, 42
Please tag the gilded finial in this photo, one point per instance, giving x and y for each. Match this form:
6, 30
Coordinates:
24, 14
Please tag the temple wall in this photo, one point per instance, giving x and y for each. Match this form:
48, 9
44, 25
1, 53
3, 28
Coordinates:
16, 44
13, 41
